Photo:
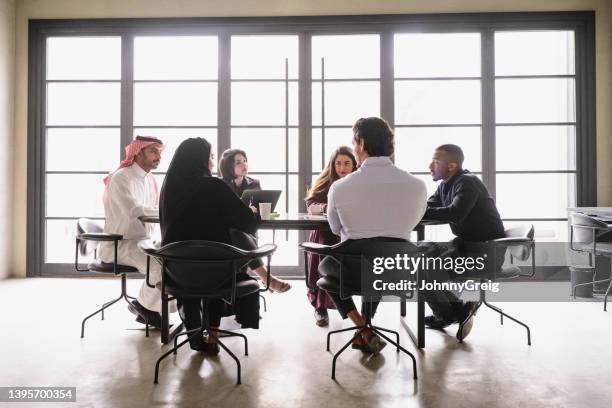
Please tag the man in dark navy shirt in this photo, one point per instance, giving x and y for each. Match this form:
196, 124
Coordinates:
463, 201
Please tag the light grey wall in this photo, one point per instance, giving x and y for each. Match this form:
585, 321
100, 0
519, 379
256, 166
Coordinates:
7, 91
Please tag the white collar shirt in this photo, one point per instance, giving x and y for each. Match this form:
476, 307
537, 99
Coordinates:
377, 200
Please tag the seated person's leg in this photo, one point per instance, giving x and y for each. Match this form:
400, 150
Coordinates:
445, 305
191, 311
367, 341
246, 309
148, 301
248, 242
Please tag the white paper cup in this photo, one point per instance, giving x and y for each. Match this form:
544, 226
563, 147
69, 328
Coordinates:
264, 210
315, 208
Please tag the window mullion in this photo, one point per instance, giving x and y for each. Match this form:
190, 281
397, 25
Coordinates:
224, 97
127, 91
387, 101
488, 109
305, 116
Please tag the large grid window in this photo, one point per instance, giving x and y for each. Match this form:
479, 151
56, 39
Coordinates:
535, 118
514, 92
264, 123
82, 128
345, 87
437, 100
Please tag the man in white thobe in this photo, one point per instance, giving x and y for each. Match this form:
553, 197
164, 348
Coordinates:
131, 192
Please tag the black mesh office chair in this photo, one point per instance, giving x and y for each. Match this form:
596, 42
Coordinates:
592, 236
88, 238
519, 242
206, 270
348, 255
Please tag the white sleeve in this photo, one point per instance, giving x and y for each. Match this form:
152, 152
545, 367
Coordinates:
332, 213
122, 194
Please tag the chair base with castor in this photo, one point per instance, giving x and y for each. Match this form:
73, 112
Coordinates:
501, 317
89, 236
106, 305
348, 256
520, 244
208, 271
200, 332
377, 330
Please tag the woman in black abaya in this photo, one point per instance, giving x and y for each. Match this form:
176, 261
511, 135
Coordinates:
196, 206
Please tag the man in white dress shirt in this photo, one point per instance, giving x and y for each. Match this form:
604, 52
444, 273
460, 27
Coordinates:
377, 200
132, 191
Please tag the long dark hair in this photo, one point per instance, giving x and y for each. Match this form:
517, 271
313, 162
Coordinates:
329, 175
226, 163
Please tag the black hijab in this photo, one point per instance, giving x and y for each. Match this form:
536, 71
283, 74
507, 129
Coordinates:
187, 170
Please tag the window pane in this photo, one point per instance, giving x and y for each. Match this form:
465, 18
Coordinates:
287, 252
60, 236
539, 147
82, 149
535, 195
84, 58
172, 138
175, 104
83, 104
334, 138
439, 233
345, 102
75, 195
294, 150
437, 102
534, 53
414, 147
175, 57
265, 148
263, 56
437, 55
263, 103
346, 56
429, 183
535, 100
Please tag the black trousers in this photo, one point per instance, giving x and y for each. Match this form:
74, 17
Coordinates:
444, 304
329, 267
245, 308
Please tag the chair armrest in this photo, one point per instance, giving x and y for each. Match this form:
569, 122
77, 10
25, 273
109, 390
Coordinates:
148, 246
315, 248
100, 236
264, 250
516, 240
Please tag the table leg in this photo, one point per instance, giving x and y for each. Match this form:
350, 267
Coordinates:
419, 338
420, 230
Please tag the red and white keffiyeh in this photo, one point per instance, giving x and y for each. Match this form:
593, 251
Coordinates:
131, 151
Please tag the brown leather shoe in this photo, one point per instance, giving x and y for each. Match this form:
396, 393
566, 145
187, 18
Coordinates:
321, 317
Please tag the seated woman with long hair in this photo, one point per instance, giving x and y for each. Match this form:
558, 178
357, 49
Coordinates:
196, 206
341, 163
234, 169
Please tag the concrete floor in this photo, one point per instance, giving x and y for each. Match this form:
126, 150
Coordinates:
568, 365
